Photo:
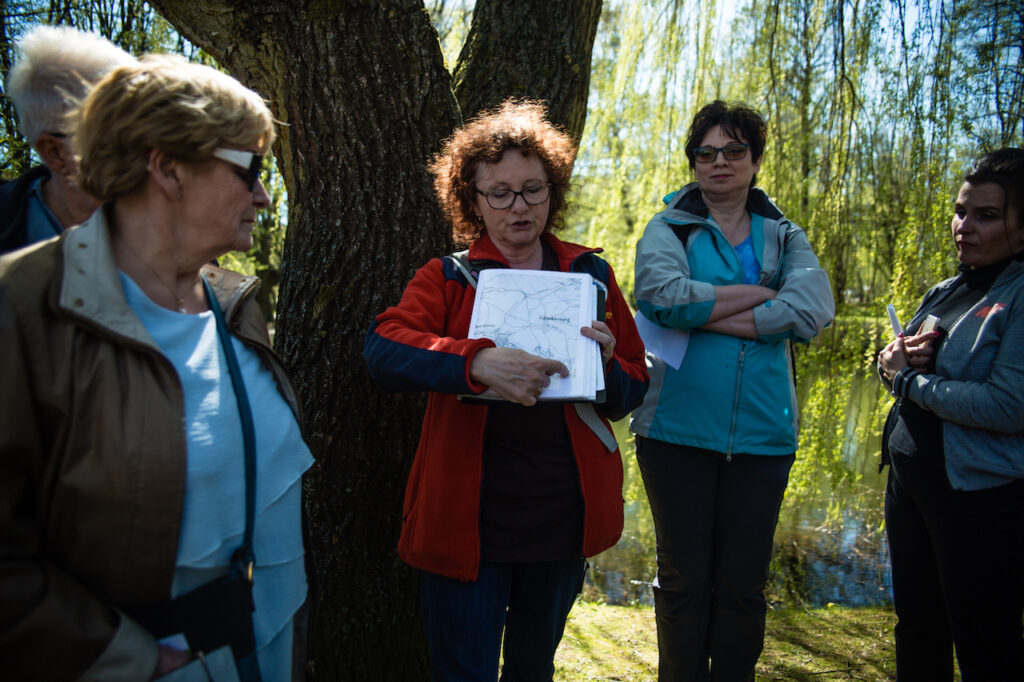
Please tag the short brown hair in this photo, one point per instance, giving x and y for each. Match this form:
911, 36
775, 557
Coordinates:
515, 124
737, 121
185, 110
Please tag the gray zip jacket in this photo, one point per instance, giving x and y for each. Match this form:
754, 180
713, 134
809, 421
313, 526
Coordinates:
978, 385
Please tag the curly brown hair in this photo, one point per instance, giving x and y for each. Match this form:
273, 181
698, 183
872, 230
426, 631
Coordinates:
514, 124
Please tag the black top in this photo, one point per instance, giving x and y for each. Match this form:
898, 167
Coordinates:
917, 431
531, 508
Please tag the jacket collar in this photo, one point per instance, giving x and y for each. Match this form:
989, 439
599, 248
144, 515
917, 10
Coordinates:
689, 204
567, 252
90, 287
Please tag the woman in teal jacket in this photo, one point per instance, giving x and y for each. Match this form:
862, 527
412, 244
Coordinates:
717, 434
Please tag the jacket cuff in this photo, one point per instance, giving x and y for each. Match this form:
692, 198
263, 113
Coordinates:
130, 656
475, 386
881, 377
902, 381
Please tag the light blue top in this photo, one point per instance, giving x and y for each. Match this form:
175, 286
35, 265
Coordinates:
745, 251
213, 518
40, 222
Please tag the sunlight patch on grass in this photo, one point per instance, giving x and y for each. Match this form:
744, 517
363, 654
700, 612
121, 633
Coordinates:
605, 642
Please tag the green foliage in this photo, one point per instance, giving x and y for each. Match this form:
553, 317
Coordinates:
873, 110
631, 154
452, 19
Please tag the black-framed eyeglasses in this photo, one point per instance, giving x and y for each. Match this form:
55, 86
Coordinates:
503, 198
734, 151
246, 165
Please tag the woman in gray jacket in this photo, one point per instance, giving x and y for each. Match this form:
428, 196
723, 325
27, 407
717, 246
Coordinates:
954, 504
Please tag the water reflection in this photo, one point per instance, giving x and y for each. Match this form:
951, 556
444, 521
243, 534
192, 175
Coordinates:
829, 546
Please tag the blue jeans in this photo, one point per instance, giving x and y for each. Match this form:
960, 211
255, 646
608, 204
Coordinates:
464, 620
715, 521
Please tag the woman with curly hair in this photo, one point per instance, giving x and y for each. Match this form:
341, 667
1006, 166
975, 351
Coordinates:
505, 499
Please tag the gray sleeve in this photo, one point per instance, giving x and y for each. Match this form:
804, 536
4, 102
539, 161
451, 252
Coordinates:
664, 290
803, 305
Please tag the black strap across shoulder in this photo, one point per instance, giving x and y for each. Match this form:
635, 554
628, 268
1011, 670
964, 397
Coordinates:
219, 612
244, 557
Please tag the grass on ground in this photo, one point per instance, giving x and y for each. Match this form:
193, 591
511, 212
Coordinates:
603, 642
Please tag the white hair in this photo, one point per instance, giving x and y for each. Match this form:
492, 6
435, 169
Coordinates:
55, 68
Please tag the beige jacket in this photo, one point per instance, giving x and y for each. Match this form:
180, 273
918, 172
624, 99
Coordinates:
92, 458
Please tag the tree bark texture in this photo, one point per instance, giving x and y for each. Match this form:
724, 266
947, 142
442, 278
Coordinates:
366, 98
539, 50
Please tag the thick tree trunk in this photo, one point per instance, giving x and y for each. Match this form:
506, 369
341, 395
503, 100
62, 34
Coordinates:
539, 50
366, 99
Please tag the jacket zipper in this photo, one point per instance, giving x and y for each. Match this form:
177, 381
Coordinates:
736, 401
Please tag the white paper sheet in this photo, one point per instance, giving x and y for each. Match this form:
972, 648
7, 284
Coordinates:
668, 344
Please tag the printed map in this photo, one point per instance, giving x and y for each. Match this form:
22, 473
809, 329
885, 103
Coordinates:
537, 314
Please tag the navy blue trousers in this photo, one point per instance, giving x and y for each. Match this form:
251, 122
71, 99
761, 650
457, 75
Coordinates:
715, 521
464, 620
957, 574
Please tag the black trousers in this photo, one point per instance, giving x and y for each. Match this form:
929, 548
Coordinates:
715, 521
957, 574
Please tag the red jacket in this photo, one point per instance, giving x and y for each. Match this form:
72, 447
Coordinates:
421, 344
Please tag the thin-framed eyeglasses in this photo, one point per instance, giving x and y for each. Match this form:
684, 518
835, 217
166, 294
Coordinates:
503, 198
246, 165
734, 151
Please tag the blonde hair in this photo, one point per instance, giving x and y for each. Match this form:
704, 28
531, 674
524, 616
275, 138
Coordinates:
514, 124
54, 69
163, 102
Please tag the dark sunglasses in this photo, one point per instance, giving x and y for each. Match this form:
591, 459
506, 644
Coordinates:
247, 164
734, 151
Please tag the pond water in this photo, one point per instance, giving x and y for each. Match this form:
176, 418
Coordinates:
829, 545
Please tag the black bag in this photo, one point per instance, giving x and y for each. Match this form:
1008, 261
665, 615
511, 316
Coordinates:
213, 615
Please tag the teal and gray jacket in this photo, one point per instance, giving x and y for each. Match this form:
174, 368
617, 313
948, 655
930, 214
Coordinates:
730, 395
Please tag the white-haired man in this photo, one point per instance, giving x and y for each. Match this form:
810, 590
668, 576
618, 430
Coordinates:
55, 67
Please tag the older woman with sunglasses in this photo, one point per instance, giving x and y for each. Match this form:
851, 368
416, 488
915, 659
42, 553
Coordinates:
717, 432
150, 453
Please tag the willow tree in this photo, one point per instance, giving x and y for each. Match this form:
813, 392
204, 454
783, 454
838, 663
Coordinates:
365, 99
652, 63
